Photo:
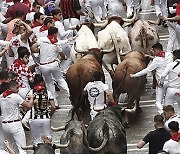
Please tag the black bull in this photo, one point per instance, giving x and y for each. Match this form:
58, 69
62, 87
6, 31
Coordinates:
106, 133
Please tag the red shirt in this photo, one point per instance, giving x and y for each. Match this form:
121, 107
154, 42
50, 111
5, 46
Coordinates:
11, 12
178, 11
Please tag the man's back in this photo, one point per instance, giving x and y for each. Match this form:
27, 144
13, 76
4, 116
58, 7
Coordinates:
156, 139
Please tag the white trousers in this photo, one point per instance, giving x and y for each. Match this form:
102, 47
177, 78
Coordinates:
177, 29
98, 8
172, 36
2, 137
15, 131
160, 94
171, 98
161, 7
72, 22
117, 9
39, 128
50, 71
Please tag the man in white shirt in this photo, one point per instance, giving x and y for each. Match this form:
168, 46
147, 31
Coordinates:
159, 63
172, 146
49, 51
97, 92
170, 115
63, 36
36, 8
11, 124
171, 71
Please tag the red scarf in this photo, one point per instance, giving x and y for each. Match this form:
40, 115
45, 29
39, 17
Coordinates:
52, 39
18, 63
7, 93
161, 54
175, 137
43, 28
7, 1
39, 87
36, 24
56, 19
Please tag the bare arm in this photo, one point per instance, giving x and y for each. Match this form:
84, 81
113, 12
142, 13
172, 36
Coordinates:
80, 12
28, 103
27, 34
140, 144
176, 18
34, 48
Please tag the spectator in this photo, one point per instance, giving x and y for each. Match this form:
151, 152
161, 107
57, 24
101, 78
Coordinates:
170, 115
11, 12
24, 73
11, 124
172, 146
35, 8
49, 49
159, 63
176, 19
171, 71
156, 138
71, 12
40, 113
97, 92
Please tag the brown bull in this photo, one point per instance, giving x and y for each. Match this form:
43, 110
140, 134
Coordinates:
79, 74
122, 82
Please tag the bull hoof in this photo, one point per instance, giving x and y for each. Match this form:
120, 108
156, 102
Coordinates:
138, 110
126, 125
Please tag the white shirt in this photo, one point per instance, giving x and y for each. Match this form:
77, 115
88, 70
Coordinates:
30, 16
96, 95
158, 64
15, 43
10, 106
172, 147
173, 118
62, 34
48, 51
174, 80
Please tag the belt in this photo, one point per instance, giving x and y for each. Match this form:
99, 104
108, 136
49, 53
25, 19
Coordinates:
10, 121
48, 62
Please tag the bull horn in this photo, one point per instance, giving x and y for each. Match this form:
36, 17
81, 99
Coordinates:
151, 57
132, 19
72, 27
124, 53
101, 24
29, 147
154, 22
78, 50
132, 110
58, 128
57, 146
100, 147
106, 51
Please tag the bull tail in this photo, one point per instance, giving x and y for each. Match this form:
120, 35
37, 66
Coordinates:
105, 130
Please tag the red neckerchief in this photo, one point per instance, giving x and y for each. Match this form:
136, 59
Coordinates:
7, 93
39, 87
18, 63
56, 19
161, 54
43, 28
175, 137
8, 1
36, 24
52, 39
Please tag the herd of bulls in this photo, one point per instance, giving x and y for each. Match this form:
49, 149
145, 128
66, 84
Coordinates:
105, 134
